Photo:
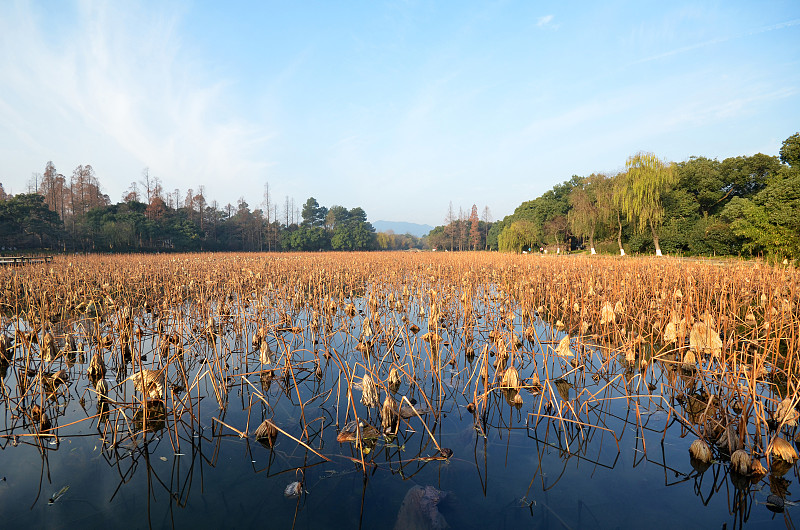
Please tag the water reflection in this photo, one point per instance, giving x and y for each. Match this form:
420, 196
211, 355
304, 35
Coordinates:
195, 428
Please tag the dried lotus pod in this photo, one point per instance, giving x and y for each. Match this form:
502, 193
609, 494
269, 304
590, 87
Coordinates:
369, 392
149, 382
786, 413
728, 440
6, 352
389, 415
101, 387
266, 433
704, 339
607, 315
783, 450
394, 379
293, 490
689, 362
563, 349
97, 367
740, 462
700, 451
265, 354
757, 468
511, 379
49, 349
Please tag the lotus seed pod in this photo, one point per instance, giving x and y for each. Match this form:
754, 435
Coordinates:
699, 450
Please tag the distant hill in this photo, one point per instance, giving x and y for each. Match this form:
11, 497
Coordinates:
399, 227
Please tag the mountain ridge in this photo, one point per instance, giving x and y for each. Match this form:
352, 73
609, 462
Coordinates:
402, 227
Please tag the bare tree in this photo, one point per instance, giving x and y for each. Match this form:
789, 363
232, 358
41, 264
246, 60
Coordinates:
148, 184
486, 217
33, 183
474, 228
449, 227
200, 199
79, 191
51, 187
188, 203
132, 193
214, 208
462, 230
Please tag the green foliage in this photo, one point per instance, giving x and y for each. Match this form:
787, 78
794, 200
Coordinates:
119, 227
746, 204
610, 247
711, 236
585, 212
640, 189
702, 180
700, 206
790, 150
437, 238
546, 217
313, 214
745, 176
518, 236
354, 236
681, 213
769, 222
308, 238
337, 216
27, 222
492, 238
391, 241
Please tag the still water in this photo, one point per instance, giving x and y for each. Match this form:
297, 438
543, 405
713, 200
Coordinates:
596, 444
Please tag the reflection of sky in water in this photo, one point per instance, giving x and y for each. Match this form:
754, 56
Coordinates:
520, 475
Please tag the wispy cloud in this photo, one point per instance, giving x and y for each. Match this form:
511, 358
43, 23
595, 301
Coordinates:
716, 107
121, 81
544, 21
712, 42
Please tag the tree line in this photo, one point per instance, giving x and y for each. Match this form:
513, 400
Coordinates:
740, 206
461, 232
73, 214
745, 205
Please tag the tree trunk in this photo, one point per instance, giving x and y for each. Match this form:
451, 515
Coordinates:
591, 242
655, 239
619, 236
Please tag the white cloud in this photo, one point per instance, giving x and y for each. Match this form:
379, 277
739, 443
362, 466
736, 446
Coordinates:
118, 91
544, 21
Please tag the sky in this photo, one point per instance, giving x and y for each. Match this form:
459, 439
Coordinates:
399, 107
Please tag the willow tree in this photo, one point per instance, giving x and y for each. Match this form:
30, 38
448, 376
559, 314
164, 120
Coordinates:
585, 212
518, 236
639, 191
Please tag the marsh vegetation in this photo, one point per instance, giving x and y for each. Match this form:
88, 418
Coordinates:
412, 389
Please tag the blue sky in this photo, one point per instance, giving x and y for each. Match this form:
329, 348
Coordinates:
399, 107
